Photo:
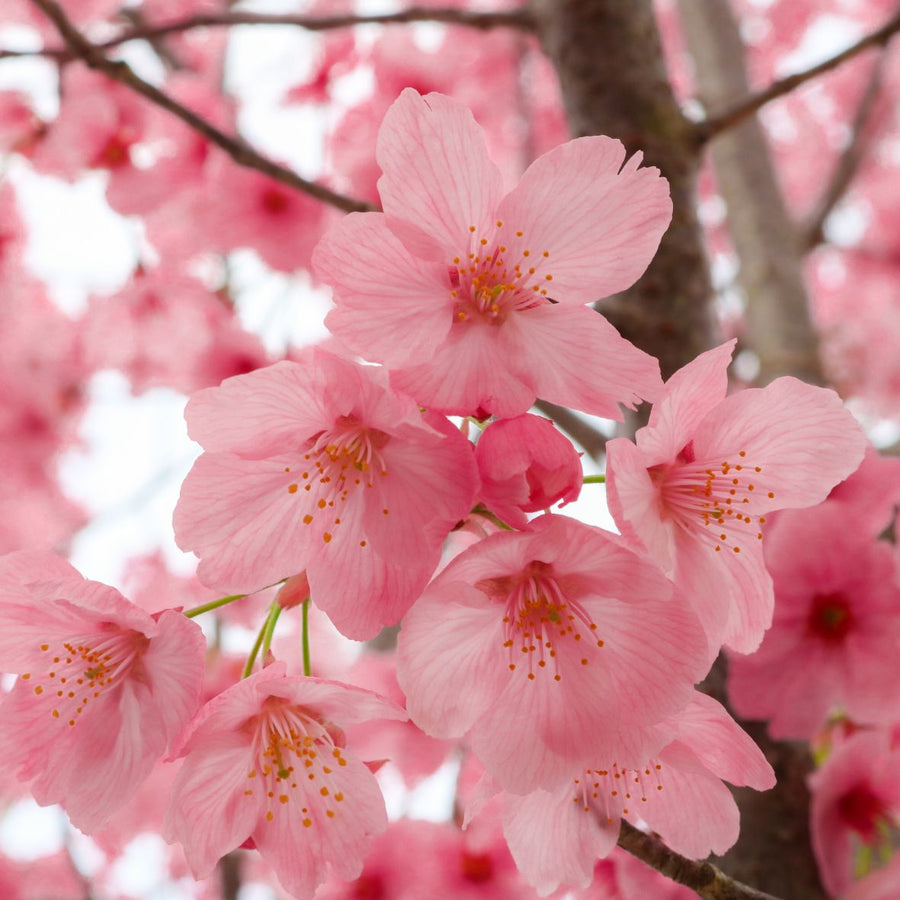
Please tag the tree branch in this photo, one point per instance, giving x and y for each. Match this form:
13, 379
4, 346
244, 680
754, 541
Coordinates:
241, 152
700, 876
710, 127
779, 329
483, 21
520, 19
811, 229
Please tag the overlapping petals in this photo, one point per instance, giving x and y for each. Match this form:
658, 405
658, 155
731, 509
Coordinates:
707, 470
103, 690
265, 760
479, 285
323, 468
548, 648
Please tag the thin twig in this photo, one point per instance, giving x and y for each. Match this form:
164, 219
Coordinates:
714, 125
512, 18
845, 168
519, 19
241, 152
700, 876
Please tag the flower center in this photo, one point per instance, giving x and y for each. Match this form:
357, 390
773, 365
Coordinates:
296, 759
84, 668
830, 617
335, 463
863, 811
616, 792
486, 285
720, 497
540, 621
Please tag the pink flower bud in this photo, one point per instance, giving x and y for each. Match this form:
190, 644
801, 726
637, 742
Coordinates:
526, 465
293, 592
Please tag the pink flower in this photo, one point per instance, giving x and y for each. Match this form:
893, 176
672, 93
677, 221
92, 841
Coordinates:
323, 468
544, 646
103, 689
708, 469
265, 761
476, 299
836, 630
678, 793
855, 799
526, 465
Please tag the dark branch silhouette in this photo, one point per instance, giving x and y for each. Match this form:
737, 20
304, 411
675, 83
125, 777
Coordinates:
240, 151
700, 876
519, 19
847, 165
709, 128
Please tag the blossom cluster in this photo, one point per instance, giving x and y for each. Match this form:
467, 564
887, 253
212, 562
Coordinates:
561, 658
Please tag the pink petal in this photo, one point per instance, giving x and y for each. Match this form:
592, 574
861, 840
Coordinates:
472, 373
730, 592
449, 653
600, 221
690, 393
381, 291
801, 436
267, 543
576, 358
23, 567
694, 812
438, 178
721, 745
302, 854
554, 841
210, 812
359, 589
174, 664
635, 503
274, 407
340, 702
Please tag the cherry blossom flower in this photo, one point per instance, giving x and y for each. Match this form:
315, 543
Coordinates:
265, 761
836, 629
706, 472
548, 648
490, 290
103, 689
323, 468
526, 465
855, 800
555, 837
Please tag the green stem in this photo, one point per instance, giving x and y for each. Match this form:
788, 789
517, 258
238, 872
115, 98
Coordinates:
274, 612
213, 604
222, 601
307, 661
482, 510
594, 479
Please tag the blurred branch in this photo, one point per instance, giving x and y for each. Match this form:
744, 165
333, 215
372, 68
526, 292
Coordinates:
593, 441
745, 108
241, 152
811, 234
700, 876
230, 880
513, 18
779, 329
520, 19
612, 74
137, 20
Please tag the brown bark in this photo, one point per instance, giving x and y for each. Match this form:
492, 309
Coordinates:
608, 57
609, 61
778, 325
